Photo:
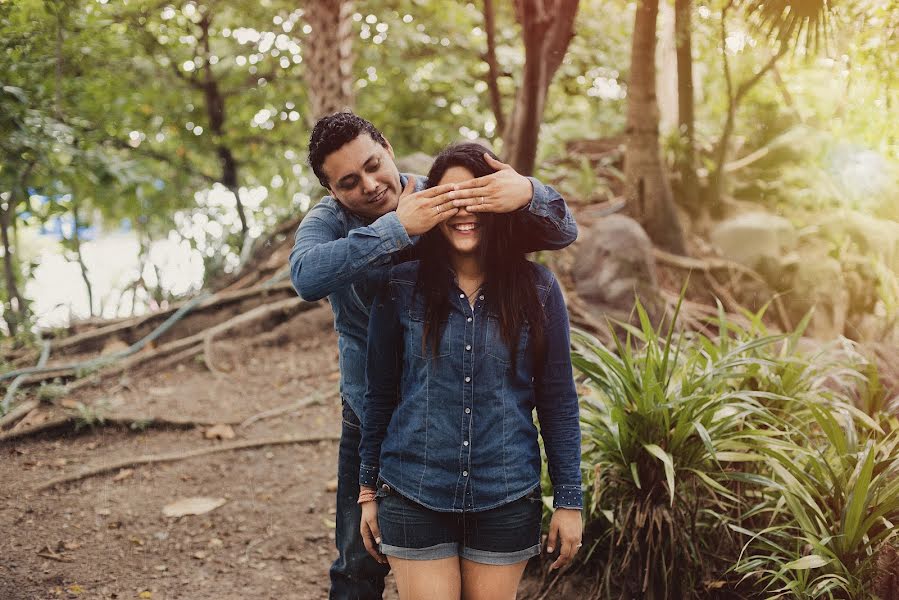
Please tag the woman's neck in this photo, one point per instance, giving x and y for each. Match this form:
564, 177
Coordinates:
469, 272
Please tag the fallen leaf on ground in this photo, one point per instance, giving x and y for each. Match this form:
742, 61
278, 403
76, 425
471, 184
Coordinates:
220, 432
192, 506
123, 474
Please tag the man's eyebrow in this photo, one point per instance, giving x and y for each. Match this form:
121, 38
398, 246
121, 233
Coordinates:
345, 180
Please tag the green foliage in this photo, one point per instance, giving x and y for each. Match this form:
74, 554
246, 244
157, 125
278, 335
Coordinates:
738, 460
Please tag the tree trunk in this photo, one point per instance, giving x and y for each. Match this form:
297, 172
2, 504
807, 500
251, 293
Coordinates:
215, 111
646, 186
496, 100
14, 313
715, 201
686, 163
328, 57
76, 241
547, 28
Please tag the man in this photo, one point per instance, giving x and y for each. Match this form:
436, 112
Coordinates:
344, 248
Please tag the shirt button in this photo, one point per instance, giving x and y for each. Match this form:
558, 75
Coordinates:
385, 487
461, 295
465, 443
467, 379
467, 411
468, 346
481, 296
464, 473
469, 319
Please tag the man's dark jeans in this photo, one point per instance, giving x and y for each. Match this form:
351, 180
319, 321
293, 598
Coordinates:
355, 575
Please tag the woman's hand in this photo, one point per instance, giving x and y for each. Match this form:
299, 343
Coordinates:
565, 531
371, 534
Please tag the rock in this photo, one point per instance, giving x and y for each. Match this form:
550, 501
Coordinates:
614, 262
417, 163
331, 486
751, 238
192, 506
871, 236
817, 283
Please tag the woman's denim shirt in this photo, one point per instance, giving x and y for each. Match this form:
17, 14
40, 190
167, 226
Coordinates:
454, 430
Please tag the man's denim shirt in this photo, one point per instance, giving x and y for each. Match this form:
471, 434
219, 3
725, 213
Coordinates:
346, 258
453, 429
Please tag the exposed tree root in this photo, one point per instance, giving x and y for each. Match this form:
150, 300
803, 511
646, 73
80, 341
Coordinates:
18, 412
287, 408
68, 421
176, 456
280, 310
213, 310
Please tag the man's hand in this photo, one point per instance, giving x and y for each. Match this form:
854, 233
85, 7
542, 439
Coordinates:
371, 534
420, 211
500, 192
566, 528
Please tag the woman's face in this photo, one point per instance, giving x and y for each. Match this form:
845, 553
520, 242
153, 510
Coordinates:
462, 231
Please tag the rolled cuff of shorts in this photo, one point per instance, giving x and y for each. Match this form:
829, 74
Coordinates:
447, 550
368, 476
487, 557
568, 496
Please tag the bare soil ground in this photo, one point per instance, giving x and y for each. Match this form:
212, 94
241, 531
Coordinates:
106, 536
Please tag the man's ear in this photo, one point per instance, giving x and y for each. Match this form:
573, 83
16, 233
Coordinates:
389, 149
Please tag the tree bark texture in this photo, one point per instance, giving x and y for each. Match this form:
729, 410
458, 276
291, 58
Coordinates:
648, 193
685, 104
496, 100
547, 28
328, 57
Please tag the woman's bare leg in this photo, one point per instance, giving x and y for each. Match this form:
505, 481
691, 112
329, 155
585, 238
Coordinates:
490, 582
427, 579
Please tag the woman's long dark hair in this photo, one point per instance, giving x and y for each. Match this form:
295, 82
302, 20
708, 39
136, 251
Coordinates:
510, 285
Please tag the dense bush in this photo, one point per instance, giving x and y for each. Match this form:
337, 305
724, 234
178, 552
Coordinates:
733, 465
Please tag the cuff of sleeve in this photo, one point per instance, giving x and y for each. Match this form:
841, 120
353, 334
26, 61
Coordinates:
368, 476
539, 199
568, 496
392, 233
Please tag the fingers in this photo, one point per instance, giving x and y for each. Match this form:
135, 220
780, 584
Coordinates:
496, 164
410, 186
371, 537
553, 538
569, 548
446, 212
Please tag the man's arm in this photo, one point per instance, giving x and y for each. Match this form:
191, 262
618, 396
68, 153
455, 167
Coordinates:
324, 260
545, 223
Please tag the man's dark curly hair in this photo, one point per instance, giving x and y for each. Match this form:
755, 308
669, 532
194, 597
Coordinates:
331, 133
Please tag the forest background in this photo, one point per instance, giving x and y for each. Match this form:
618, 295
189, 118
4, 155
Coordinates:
152, 153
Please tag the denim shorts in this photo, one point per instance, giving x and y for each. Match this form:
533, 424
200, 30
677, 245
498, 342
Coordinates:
504, 535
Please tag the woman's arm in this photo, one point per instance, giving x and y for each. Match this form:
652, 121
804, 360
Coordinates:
558, 413
557, 405
384, 371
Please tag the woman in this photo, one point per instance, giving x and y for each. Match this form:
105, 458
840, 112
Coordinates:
463, 345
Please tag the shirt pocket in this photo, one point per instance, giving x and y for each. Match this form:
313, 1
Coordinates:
496, 346
420, 348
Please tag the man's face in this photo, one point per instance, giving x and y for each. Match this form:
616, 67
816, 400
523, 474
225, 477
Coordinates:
363, 177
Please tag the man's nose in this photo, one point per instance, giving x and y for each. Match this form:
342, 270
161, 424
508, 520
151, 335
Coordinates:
369, 184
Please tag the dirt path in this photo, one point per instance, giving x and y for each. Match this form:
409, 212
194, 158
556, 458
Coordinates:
107, 537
